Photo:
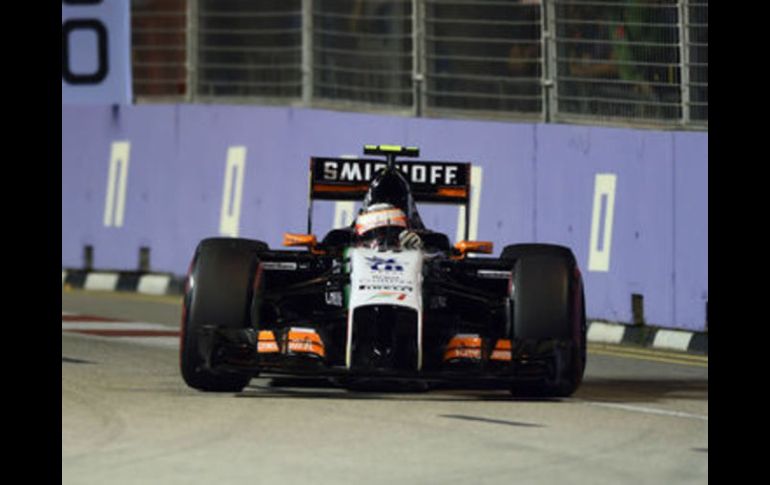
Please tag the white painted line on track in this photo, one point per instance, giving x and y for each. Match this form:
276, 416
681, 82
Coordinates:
645, 410
605, 333
143, 333
90, 325
165, 342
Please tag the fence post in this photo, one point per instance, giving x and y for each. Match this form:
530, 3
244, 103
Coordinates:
192, 51
307, 52
684, 59
548, 34
418, 56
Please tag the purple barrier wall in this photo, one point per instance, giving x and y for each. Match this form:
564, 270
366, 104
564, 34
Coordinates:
539, 184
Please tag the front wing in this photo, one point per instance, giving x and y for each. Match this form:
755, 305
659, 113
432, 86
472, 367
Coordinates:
299, 326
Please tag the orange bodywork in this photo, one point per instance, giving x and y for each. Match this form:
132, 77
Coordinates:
465, 247
304, 342
292, 239
297, 341
266, 343
459, 192
502, 351
308, 240
463, 347
331, 188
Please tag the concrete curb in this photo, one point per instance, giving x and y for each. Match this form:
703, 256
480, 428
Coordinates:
646, 336
131, 281
598, 331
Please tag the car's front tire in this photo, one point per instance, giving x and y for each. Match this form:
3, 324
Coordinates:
549, 307
219, 291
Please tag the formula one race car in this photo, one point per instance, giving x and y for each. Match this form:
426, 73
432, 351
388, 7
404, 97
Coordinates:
385, 299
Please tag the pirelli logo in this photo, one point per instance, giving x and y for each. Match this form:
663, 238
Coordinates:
348, 179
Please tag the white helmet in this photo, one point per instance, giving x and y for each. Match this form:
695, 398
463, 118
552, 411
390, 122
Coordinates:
378, 216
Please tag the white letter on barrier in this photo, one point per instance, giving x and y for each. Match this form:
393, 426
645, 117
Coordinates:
115, 200
345, 210
601, 227
476, 175
230, 214
344, 213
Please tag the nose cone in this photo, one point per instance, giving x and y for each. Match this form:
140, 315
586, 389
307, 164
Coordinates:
385, 339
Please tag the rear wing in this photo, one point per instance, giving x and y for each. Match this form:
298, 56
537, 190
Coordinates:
348, 178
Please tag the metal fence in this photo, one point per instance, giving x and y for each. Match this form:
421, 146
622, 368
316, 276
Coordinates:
696, 23
362, 51
483, 56
618, 59
606, 61
249, 49
159, 48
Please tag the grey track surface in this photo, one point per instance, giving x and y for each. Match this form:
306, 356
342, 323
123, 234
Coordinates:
128, 418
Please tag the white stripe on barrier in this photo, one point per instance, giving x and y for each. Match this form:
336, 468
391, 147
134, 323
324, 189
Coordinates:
605, 333
101, 281
154, 284
672, 339
63, 277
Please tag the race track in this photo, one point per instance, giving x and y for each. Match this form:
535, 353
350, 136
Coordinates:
128, 418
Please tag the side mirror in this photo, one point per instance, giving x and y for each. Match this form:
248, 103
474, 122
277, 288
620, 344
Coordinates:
307, 240
466, 247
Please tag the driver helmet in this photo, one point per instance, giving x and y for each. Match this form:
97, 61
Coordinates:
380, 224
390, 187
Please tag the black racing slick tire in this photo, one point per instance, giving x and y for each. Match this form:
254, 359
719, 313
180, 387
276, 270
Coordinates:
218, 291
549, 311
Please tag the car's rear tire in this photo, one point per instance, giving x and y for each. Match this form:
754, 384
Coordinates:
548, 307
218, 291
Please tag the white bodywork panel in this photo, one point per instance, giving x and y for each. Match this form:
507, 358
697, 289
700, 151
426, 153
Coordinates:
385, 278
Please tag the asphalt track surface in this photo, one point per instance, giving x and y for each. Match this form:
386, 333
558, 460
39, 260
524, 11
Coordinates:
128, 418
